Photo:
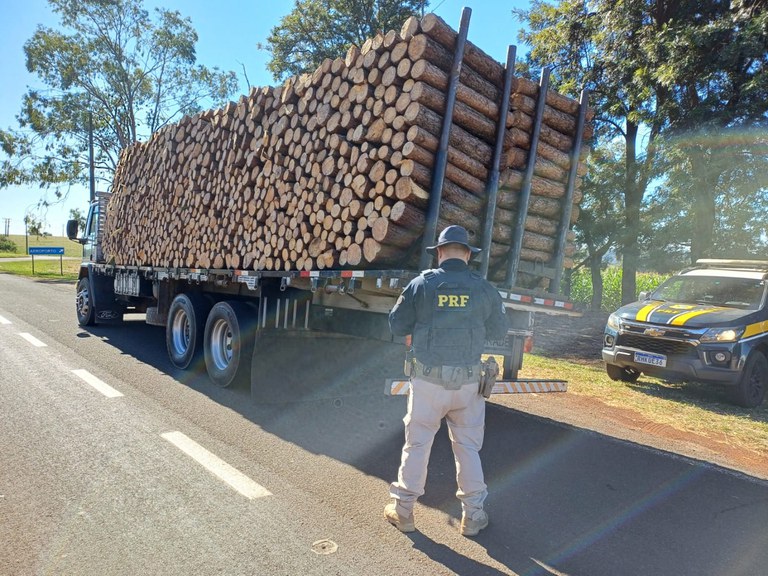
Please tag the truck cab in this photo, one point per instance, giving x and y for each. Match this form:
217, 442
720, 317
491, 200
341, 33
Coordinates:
94, 226
707, 323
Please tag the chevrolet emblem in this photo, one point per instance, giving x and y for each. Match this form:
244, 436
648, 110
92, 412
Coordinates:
655, 332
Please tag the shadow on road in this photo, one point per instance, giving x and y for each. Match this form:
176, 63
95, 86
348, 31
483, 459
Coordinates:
562, 500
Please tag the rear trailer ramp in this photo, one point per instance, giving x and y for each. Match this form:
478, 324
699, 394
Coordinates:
529, 386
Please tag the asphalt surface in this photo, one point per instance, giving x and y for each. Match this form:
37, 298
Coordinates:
96, 476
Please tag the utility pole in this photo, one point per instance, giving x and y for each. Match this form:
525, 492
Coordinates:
7, 222
91, 168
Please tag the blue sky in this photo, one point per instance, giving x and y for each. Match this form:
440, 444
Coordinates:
228, 31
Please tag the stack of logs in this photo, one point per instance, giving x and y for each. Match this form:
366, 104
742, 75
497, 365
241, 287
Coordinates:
332, 169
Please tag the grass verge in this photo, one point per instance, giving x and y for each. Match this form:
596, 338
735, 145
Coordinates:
74, 249
44, 269
703, 410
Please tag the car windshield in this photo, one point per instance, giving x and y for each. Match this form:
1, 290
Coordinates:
716, 290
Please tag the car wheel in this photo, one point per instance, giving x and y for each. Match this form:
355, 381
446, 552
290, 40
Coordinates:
622, 373
750, 390
184, 329
230, 335
86, 313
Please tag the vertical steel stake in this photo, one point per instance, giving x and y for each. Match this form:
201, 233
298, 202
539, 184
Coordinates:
565, 223
441, 160
492, 186
525, 192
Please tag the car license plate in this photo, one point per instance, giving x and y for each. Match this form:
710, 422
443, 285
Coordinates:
651, 359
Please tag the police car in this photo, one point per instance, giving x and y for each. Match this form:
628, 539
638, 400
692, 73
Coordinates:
708, 323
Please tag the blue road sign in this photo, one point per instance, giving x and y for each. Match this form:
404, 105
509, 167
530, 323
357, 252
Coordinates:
46, 251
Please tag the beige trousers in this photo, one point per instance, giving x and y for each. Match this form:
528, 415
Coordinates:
464, 412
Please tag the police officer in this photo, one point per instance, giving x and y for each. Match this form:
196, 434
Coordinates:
449, 312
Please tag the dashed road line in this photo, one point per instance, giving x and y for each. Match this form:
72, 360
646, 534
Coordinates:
32, 340
4, 320
217, 466
102, 387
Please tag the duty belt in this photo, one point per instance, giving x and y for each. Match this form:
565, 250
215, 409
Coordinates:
450, 377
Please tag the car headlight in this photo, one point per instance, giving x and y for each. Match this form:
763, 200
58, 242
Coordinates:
613, 322
722, 335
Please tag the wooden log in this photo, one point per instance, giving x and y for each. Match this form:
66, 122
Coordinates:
419, 115
435, 27
422, 47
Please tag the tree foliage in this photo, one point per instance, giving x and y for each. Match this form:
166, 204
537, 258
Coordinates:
318, 29
678, 84
110, 63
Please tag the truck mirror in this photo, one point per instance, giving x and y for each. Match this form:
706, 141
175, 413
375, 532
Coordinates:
72, 229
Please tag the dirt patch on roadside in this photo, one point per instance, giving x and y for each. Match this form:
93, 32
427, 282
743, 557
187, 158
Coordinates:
579, 340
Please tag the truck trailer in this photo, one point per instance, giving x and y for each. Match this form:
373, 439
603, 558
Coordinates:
306, 208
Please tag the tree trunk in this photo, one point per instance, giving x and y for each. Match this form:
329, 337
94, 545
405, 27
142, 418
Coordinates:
703, 208
633, 197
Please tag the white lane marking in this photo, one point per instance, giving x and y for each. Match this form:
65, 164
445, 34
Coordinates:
32, 340
102, 387
217, 466
4, 320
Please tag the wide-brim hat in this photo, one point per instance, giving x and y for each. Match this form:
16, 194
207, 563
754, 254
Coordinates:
453, 235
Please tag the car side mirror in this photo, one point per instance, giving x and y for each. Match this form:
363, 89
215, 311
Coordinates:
72, 231
643, 295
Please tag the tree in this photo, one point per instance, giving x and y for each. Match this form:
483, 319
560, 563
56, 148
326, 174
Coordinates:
715, 67
76, 214
658, 71
318, 29
110, 63
599, 45
601, 210
34, 226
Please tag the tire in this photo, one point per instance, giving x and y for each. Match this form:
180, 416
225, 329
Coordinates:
230, 335
749, 392
86, 313
623, 374
185, 328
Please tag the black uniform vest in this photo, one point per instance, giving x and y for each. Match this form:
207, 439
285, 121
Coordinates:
451, 326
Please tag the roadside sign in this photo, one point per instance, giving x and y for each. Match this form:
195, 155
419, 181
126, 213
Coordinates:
47, 251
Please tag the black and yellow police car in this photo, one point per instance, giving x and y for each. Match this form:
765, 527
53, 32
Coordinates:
708, 323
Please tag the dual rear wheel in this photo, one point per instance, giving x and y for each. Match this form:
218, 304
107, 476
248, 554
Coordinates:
223, 335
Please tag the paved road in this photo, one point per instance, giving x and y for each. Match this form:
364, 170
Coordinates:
113, 462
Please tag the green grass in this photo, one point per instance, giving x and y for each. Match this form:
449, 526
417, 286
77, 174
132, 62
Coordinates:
74, 249
700, 409
48, 269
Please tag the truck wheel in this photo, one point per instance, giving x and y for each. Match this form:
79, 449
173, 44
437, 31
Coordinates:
230, 334
86, 313
184, 329
749, 392
622, 373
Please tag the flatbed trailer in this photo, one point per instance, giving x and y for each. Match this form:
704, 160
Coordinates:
222, 314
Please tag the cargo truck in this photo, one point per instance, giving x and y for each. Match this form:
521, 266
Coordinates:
219, 313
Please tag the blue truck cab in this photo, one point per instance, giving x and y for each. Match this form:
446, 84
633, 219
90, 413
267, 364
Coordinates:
708, 324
